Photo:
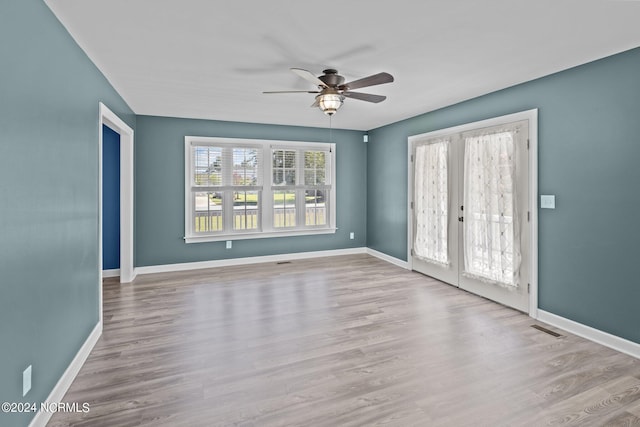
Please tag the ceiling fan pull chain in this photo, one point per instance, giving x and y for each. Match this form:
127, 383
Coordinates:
330, 128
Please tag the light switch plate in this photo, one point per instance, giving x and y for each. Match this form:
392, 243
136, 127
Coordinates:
547, 201
229, 244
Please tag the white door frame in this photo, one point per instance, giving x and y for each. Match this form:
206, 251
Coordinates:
109, 118
532, 117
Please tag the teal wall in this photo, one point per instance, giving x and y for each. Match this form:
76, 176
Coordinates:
49, 93
159, 191
589, 147
589, 151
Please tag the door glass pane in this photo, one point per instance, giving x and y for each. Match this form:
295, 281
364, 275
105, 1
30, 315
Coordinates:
284, 208
431, 200
207, 215
491, 235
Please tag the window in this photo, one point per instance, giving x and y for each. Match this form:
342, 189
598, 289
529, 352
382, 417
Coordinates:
237, 189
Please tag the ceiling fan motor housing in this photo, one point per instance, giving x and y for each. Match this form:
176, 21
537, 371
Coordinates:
331, 78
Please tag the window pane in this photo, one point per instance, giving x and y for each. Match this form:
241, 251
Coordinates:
278, 177
314, 177
246, 210
284, 167
315, 207
289, 159
207, 212
314, 167
245, 166
208, 166
284, 209
290, 177
309, 160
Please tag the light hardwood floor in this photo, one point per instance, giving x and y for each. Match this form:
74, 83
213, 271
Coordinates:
340, 341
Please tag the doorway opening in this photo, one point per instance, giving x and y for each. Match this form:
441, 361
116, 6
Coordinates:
110, 202
112, 121
472, 218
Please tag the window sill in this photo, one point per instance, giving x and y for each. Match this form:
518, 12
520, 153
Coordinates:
259, 235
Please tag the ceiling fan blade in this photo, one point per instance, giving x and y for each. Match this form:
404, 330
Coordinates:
292, 91
364, 96
376, 79
309, 77
316, 103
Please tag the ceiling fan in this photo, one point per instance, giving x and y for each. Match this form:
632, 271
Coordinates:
332, 90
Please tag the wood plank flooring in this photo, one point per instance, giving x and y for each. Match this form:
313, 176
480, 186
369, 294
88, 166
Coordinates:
340, 341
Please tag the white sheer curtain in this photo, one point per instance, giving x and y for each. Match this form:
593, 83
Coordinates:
491, 229
431, 200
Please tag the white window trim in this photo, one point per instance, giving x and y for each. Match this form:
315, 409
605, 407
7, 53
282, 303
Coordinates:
267, 231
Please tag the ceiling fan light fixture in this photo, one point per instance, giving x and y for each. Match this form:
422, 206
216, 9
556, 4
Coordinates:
330, 102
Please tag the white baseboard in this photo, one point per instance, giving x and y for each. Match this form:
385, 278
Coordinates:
111, 273
388, 258
58, 392
620, 344
245, 261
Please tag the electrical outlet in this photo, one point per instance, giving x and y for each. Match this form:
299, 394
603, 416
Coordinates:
26, 380
352, 235
229, 244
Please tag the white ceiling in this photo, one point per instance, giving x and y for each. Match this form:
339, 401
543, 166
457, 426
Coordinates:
212, 59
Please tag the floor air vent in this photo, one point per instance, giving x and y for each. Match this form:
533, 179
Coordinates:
546, 331
283, 262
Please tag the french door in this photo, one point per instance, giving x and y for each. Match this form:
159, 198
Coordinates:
470, 209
